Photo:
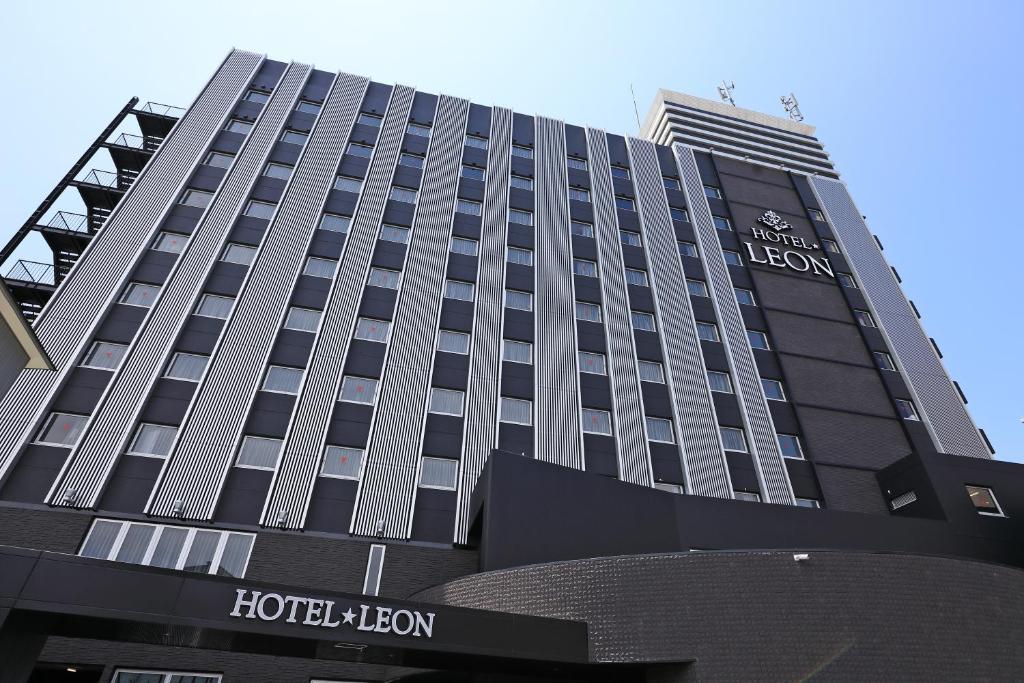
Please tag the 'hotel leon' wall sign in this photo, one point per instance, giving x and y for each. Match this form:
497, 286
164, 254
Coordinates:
781, 257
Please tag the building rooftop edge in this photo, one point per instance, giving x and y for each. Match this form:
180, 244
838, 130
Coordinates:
720, 108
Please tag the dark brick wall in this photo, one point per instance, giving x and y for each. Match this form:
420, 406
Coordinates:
762, 616
851, 489
837, 438
57, 530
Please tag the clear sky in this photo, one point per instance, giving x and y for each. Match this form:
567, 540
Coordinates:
919, 103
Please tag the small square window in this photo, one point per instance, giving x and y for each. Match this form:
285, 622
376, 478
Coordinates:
256, 209
884, 360
170, 242
576, 163
522, 152
197, 198
469, 207
369, 119
733, 439
816, 215
407, 195
722, 223
394, 233
516, 351
410, 160
335, 222
660, 430
984, 500
348, 184
747, 496
238, 126
596, 421
294, 137
282, 380
584, 268
651, 371
712, 192
620, 172
630, 238
256, 96
670, 183
636, 277
520, 217
732, 258
522, 182
62, 429
446, 402
302, 319
342, 462
581, 229
579, 194
864, 318
720, 382
476, 142
520, 301
519, 256
515, 411
457, 289
625, 203
308, 107
279, 171
789, 444
153, 440
139, 294
219, 159
187, 366
688, 249
906, 409
241, 254
744, 297
371, 329
830, 245
382, 277
757, 339
592, 363
678, 214
259, 453
473, 173
358, 389
214, 306
439, 473
453, 342
105, 355
846, 280
708, 332
773, 389
418, 129
643, 322
466, 247
697, 288
320, 267
588, 312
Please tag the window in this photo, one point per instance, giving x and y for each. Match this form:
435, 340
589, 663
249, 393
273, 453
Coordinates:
187, 366
588, 312
219, 159
279, 171
241, 254
319, 267
294, 137
259, 453
519, 256
884, 360
722, 223
394, 233
334, 222
744, 296
906, 409
520, 217
374, 566
816, 215
171, 242
592, 363
830, 245
733, 439
579, 194
453, 342
720, 381
348, 183
642, 321
620, 172
577, 163
476, 142
308, 107
257, 209
584, 268
707, 331
625, 203
636, 277
790, 446
630, 238
773, 389
522, 152
302, 319
358, 389
418, 129
205, 551
282, 380
696, 288
469, 207
382, 277
688, 249
596, 421
439, 473
668, 488
581, 229
256, 96
651, 371
467, 247
748, 496
410, 160
864, 318
238, 126
403, 194
846, 280
757, 339
732, 258
342, 462
446, 401
807, 503
984, 500
678, 214
104, 355
213, 306
369, 119
153, 439
712, 192
522, 182
670, 183
521, 301
660, 429
370, 329
196, 198
516, 351
516, 411
473, 173
62, 429
457, 289
136, 676
139, 294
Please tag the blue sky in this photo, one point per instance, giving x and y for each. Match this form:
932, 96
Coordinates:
919, 104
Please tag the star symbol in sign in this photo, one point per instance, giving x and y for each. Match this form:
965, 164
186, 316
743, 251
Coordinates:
350, 616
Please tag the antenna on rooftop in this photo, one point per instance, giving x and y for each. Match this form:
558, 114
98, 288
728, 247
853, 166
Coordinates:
636, 111
725, 92
792, 107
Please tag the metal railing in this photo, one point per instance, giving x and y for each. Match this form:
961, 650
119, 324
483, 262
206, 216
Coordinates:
162, 109
101, 178
65, 220
146, 144
32, 271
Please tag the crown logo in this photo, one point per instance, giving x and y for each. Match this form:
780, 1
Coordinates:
774, 221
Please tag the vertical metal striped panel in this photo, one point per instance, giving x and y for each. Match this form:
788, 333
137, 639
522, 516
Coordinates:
66, 325
387, 487
114, 419
481, 427
941, 408
764, 444
704, 465
202, 457
558, 436
634, 458
303, 451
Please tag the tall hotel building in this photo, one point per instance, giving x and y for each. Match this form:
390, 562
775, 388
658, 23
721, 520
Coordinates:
352, 382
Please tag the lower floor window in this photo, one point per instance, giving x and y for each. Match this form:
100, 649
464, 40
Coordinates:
134, 676
439, 473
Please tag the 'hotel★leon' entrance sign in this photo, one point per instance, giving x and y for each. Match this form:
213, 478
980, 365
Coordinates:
788, 258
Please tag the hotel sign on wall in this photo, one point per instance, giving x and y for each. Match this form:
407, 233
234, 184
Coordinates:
791, 252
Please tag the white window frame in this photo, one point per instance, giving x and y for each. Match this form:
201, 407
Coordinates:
419, 477
743, 436
135, 437
991, 494
702, 288
782, 389
46, 427
327, 450
444, 390
371, 578
753, 299
166, 675
170, 366
604, 362
671, 429
277, 461
93, 348
728, 381
586, 430
266, 377
763, 335
661, 371
373, 396
131, 285
529, 345
464, 335
501, 417
204, 297
799, 446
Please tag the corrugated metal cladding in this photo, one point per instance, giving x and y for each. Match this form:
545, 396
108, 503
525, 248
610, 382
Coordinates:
193, 475
66, 325
692, 404
388, 484
113, 422
937, 400
634, 459
764, 445
558, 436
481, 434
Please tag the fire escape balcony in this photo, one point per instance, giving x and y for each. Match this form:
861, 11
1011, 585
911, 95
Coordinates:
32, 284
